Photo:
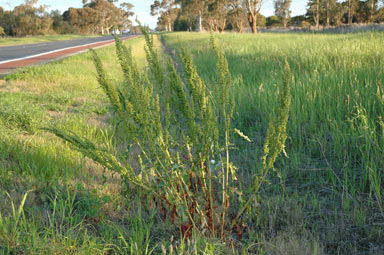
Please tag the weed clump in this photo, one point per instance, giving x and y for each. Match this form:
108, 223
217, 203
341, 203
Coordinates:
173, 139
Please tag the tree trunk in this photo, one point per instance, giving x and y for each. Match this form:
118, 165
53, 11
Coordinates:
370, 21
252, 22
222, 26
200, 22
328, 13
317, 15
349, 12
169, 25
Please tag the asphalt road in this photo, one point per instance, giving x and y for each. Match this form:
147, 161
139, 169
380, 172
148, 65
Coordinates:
25, 50
13, 57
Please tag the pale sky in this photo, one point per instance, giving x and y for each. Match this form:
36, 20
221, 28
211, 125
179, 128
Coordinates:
142, 7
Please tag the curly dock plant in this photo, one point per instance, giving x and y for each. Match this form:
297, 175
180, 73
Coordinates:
274, 142
181, 161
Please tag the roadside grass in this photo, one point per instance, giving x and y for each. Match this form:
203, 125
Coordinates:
8, 41
324, 198
52, 199
330, 185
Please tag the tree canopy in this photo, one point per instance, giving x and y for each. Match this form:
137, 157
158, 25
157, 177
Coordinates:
95, 17
237, 15
101, 16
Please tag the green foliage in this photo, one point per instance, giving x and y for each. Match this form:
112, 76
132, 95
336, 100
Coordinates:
109, 90
153, 59
277, 130
60, 218
21, 115
334, 145
325, 198
138, 240
9, 228
177, 137
272, 21
274, 142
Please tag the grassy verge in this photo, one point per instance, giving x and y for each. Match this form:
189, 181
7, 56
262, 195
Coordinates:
325, 197
72, 206
8, 41
330, 184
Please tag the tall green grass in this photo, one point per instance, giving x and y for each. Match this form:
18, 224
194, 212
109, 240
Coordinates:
177, 167
337, 100
335, 143
324, 197
52, 199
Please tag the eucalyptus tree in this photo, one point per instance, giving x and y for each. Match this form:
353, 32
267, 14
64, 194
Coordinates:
127, 13
84, 20
217, 14
167, 9
196, 10
371, 10
282, 10
327, 6
352, 7
108, 15
314, 7
253, 8
237, 15
337, 12
28, 19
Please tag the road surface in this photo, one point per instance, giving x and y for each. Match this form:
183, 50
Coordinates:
12, 57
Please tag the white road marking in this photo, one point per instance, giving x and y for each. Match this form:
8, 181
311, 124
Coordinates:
54, 51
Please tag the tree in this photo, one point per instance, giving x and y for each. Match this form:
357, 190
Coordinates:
297, 20
261, 20
253, 9
217, 15
167, 9
183, 23
127, 8
108, 15
370, 7
337, 12
83, 20
59, 25
379, 17
2, 31
314, 11
95, 16
352, 6
282, 11
99, 16
236, 15
326, 10
195, 10
31, 20
273, 21
7, 22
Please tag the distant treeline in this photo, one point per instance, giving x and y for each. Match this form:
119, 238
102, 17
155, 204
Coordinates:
100, 16
236, 15
95, 17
